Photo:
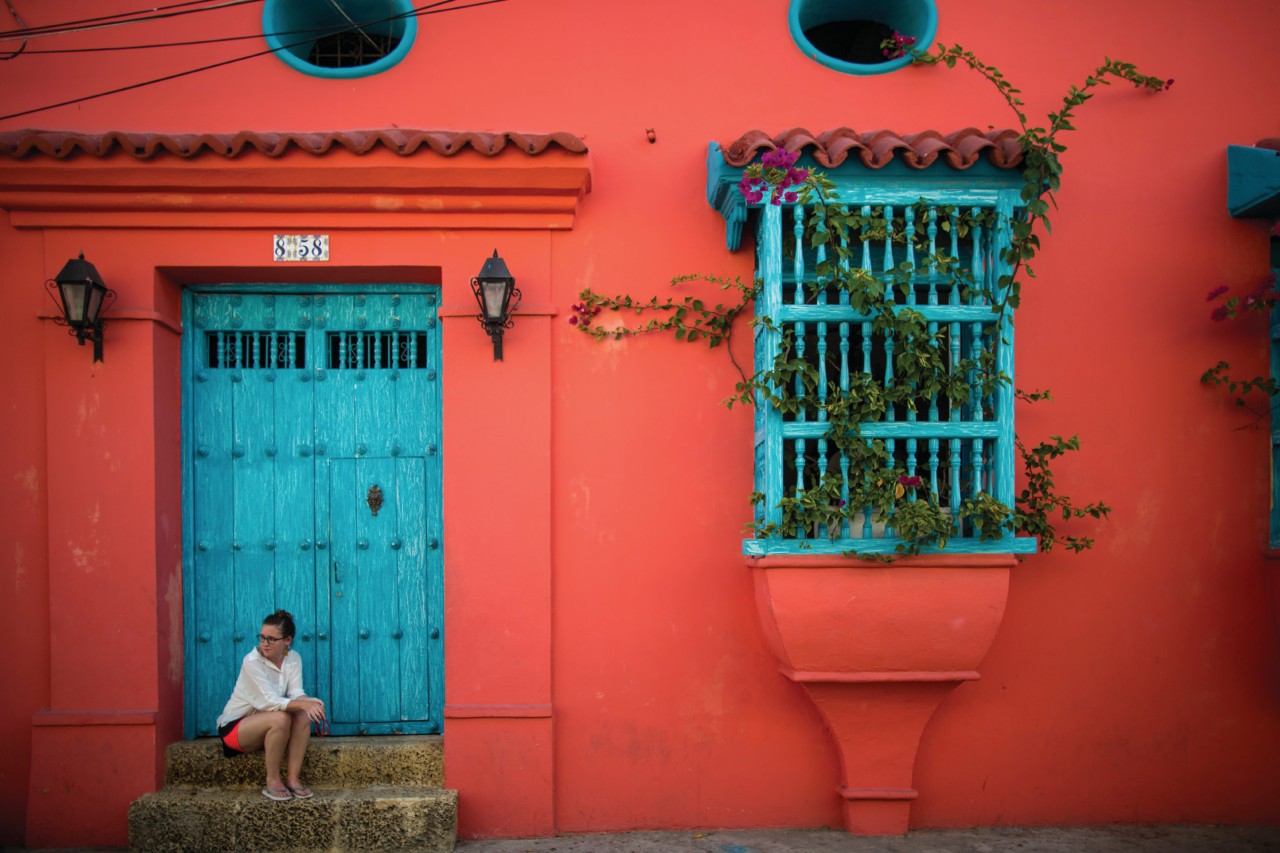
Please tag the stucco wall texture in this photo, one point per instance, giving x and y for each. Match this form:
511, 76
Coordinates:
1137, 682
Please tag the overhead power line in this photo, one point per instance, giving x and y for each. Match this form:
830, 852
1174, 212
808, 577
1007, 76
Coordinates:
21, 23
119, 19
331, 29
418, 12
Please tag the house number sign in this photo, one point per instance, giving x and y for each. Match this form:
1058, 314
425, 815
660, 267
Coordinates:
300, 247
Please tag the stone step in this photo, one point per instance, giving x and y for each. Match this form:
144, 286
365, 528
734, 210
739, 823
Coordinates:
189, 819
332, 762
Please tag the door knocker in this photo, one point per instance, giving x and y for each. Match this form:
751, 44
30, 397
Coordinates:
374, 499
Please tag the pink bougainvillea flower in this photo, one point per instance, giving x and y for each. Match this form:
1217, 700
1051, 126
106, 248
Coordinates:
796, 176
1216, 292
900, 43
573, 321
910, 481
791, 197
840, 502
779, 158
1219, 314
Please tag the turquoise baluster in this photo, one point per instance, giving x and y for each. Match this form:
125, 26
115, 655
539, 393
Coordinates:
768, 304
954, 348
1004, 473
933, 468
909, 230
843, 299
867, 346
889, 415
800, 466
868, 509
933, 250
799, 326
975, 351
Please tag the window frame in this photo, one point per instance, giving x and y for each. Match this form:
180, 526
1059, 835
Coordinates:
981, 186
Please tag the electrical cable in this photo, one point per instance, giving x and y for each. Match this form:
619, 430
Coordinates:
318, 31
21, 23
343, 13
418, 12
118, 19
58, 50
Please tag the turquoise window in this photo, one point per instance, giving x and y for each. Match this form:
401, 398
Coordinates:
846, 35
1253, 190
958, 448
356, 38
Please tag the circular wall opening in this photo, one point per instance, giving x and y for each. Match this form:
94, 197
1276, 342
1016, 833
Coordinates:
355, 38
845, 35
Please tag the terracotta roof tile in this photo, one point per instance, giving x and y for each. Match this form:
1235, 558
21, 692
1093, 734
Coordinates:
876, 149
62, 144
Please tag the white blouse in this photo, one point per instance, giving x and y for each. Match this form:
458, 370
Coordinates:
263, 686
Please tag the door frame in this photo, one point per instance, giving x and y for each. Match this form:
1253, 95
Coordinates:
435, 473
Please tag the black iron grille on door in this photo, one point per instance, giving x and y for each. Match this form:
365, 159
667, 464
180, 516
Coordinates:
256, 350
377, 350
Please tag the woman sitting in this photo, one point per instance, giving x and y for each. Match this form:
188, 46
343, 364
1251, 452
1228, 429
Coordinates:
269, 711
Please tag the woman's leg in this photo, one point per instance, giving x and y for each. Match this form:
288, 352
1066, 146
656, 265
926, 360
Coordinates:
299, 737
268, 731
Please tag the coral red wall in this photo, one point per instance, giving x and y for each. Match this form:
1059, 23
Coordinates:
1137, 682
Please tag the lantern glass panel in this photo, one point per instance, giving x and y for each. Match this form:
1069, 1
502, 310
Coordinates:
74, 302
495, 297
95, 304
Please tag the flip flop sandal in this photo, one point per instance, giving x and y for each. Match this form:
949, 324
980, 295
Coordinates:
301, 792
321, 727
278, 794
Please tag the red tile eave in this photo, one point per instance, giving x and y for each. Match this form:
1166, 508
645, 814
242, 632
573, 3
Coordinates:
403, 178
958, 149
62, 144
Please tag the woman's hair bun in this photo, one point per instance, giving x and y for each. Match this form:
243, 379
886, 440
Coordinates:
283, 620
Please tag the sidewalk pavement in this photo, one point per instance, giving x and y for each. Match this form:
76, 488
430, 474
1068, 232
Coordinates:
1137, 838
1128, 838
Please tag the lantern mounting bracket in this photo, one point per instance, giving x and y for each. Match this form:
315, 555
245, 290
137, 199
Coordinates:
81, 296
498, 298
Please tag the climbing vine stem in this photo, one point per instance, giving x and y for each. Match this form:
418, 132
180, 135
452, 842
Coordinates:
870, 483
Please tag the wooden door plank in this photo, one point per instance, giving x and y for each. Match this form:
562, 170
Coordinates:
298, 545
378, 606
253, 474
343, 509
411, 584
216, 660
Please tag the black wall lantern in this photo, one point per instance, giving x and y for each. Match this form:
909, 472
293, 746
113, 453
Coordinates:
495, 288
82, 295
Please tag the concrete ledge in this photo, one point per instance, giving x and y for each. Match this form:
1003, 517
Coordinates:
336, 762
184, 819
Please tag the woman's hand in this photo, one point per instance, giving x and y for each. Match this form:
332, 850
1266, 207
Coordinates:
313, 706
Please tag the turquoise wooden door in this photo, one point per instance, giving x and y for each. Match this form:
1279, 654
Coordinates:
313, 482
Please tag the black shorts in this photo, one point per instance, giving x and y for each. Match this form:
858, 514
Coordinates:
231, 738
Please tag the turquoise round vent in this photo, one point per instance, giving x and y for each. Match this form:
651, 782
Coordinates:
846, 35
354, 38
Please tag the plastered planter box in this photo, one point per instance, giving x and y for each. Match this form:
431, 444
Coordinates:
877, 648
